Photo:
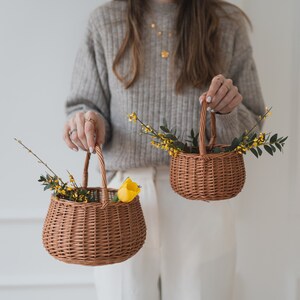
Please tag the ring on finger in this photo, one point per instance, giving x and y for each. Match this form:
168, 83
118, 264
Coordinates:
73, 130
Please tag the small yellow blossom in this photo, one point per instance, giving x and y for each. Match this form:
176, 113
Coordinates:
132, 117
262, 137
72, 180
63, 192
147, 129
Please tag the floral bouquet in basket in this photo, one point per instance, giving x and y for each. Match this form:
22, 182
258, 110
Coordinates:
91, 226
209, 172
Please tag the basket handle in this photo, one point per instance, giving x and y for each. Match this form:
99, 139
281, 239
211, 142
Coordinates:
104, 194
202, 146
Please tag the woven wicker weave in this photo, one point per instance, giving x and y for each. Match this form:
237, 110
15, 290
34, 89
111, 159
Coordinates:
97, 233
213, 176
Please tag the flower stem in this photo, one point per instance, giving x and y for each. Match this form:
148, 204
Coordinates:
39, 160
75, 184
262, 118
154, 131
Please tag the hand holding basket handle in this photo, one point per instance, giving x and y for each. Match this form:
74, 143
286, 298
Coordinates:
95, 233
207, 176
84, 130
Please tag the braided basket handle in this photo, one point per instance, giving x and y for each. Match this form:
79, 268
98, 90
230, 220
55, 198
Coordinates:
104, 194
202, 146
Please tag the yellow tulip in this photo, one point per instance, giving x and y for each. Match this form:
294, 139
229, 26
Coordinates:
128, 191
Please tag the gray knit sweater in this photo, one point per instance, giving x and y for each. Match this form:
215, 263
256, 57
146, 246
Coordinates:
95, 87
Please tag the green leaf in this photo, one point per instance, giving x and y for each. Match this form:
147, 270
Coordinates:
252, 136
164, 129
48, 186
278, 146
192, 133
254, 152
273, 148
195, 140
115, 198
92, 198
227, 149
268, 149
260, 152
282, 140
234, 143
171, 136
273, 138
179, 145
216, 150
42, 178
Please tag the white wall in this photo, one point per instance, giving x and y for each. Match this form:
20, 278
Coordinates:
39, 42
268, 209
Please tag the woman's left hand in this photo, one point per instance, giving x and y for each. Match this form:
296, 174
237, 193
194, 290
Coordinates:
222, 96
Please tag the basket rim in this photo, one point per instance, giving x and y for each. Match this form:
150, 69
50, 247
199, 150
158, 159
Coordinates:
210, 155
110, 203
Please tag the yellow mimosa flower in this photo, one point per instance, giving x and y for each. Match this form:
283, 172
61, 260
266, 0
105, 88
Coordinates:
71, 178
132, 117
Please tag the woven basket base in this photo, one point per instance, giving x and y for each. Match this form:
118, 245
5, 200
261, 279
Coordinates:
87, 234
209, 177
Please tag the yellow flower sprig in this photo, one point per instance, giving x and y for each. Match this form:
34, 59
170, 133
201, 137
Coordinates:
60, 188
165, 140
248, 141
253, 142
72, 192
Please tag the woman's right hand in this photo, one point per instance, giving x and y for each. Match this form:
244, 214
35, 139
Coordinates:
84, 130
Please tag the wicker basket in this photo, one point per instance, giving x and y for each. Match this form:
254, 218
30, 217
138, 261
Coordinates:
213, 176
96, 233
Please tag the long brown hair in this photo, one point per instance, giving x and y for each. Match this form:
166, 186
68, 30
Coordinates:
197, 51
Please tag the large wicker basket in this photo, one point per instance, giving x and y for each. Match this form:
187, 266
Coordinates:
96, 233
212, 176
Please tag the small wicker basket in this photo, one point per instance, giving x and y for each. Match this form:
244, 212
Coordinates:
213, 176
97, 233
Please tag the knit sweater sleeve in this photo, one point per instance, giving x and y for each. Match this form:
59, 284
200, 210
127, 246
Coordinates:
89, 83
243, 72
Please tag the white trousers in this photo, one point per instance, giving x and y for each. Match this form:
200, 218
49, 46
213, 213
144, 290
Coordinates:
190, 249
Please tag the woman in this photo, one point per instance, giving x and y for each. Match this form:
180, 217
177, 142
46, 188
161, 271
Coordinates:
161, 59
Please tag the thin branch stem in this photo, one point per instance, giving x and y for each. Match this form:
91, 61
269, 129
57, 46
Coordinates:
39, 159
75, 184
154, 131
262, 118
